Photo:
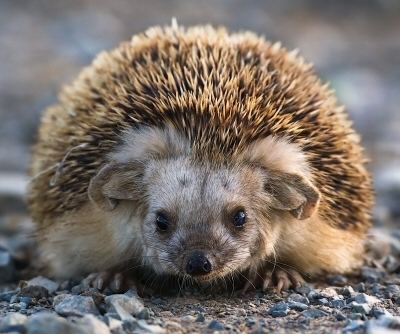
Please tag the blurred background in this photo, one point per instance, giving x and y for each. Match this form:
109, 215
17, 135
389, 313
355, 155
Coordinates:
354, 44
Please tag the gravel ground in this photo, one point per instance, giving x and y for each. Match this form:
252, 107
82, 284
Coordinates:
366, 302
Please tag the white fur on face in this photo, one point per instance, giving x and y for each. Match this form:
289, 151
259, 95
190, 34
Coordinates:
198, 200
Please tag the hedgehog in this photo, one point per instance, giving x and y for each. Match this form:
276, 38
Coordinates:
204, 154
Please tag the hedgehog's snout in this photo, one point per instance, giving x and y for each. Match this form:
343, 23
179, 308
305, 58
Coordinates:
198, 264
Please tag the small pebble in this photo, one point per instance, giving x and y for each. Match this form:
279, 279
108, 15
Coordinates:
337, 303
377, 289
216, 325
143, 314
91, 325
363, 298
360, 287
328, 293
52, 323
354, 325
392, 290
125, 306
6, 296
188, 318
7, 268
340, 316
295, 297
378, 312
337, 280
314, 313
10, 320
157, 301
371, 275
360, 308
297, 306
347, 291
68, 305
356, 316
323, 301
34, 292
314, 295
112, 323
44, 282
303, 290
279, 310
200, 317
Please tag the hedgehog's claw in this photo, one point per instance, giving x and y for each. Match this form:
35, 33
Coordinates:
282, 280
116, 281
286, 279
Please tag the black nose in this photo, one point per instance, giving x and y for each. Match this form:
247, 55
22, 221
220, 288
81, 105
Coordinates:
198, 264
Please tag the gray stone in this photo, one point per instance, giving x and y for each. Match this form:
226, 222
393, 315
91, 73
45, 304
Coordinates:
314, 313
215, 325
340, 316
68, 305
6, 296
328, 293
157, 301
279, 310
378, 312
347, 292
371, 275
314, 295
36, 292
188, 318
392, 290
44, 282
384, 325
200, 317
295, 297
377, 289
356, 316
303, 290
125, 306
7, 268
297, 306
392, 264
143, 314
360, 287
363, 298
49, 323
337, 280
26, 300
141, 327
323, 301
337, 303
91, 325
112, 323
354, 325
12, 319
360, 308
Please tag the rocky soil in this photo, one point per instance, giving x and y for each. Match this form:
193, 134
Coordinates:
366, 302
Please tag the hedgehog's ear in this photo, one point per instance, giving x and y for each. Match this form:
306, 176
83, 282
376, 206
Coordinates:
293, 193
114, 182
287, 173
122, 178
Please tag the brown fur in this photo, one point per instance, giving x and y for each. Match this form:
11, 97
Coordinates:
212, 98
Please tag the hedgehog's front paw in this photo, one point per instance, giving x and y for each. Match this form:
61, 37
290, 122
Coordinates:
280, 279
115, 281
284, 279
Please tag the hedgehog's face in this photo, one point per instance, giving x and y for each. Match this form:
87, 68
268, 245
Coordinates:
201, 221
197, 218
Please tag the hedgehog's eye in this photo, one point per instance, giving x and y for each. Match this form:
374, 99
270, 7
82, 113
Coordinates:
162, 222
239, 218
